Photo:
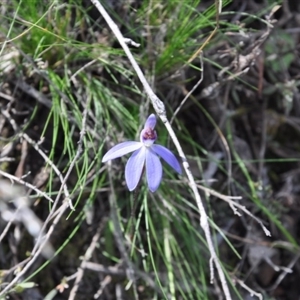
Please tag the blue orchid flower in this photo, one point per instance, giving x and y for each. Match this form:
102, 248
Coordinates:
146, 153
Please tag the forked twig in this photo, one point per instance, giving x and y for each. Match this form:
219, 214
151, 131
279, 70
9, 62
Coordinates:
233, 205
247, 288
49, 162
160, 110
13, 178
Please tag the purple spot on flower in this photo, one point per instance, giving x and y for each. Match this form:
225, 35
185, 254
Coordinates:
149, 134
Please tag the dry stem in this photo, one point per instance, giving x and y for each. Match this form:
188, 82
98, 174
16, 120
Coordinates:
160, 110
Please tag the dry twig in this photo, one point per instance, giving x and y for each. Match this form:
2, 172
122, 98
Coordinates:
160, 110
55, 212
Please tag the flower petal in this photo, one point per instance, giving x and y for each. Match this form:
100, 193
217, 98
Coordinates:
153, 169
134, 168
121, 149
150, 122
167, 156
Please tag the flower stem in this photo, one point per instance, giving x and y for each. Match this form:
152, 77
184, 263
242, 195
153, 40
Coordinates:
134, 206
